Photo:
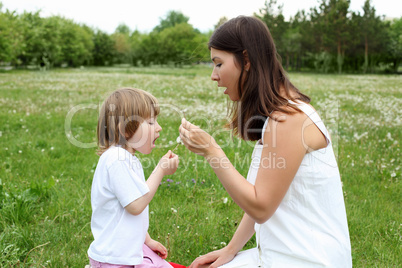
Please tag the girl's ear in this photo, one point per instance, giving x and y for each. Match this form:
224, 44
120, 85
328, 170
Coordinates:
246, 61
122, 130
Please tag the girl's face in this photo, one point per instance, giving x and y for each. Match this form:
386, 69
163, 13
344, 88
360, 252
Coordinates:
226, 72
144, 138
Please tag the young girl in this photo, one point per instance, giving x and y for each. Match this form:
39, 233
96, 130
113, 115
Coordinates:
120, 195
292, 198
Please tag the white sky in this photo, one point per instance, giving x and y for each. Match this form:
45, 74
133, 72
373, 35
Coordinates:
144, 15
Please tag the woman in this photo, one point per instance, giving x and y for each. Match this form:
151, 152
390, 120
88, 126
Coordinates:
296, 206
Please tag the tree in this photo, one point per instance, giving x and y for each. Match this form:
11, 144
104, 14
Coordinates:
273, 17
172, 19
221, 21
178, 44
395, 44
122, 46
103, 51
123, 28
32, 29
331, 22
77, 43
370, 28
11, 37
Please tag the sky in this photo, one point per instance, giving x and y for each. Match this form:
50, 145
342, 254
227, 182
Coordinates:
144, 15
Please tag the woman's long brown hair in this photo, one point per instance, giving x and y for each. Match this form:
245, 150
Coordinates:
259, 90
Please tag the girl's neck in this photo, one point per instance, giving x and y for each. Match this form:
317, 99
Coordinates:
128, 149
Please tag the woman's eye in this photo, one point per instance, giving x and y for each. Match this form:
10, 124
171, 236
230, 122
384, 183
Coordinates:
219, 65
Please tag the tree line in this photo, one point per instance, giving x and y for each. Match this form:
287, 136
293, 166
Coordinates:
327, 38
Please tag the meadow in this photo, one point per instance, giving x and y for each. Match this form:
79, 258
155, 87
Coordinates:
48, 156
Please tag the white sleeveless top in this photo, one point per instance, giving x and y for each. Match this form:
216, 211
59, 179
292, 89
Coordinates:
309, 228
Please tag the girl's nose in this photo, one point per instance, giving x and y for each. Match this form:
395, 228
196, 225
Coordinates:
158, 127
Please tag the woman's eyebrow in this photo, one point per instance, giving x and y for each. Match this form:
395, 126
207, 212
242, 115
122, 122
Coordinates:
213, 59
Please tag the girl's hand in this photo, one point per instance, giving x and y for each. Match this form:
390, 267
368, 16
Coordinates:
213, 259
197, 140
169, 163
157, 248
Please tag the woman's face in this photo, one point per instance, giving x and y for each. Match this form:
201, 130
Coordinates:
226, 72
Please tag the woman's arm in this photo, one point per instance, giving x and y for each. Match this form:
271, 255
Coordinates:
283, 145
219, 257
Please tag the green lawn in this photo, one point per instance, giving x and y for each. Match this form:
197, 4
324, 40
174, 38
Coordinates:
48, 129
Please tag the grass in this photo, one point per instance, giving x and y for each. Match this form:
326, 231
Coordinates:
45, 178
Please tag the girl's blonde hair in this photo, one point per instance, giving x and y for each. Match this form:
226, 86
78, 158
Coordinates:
121, 114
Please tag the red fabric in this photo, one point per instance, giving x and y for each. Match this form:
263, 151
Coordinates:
175, 265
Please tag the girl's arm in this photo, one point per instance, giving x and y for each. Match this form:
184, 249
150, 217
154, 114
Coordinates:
156, 246
219, 257
166, 166
284, 149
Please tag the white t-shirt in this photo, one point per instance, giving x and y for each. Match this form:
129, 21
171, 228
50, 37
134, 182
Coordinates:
118, 235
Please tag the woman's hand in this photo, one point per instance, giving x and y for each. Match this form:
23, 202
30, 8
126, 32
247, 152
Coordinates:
213, 259
197, 140
169, 163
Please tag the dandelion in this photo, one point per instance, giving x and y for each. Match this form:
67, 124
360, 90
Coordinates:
358, 137
389, 136
223, 244
173, 210
42, 150
52, 148
20, 151
225, 200
393, 174
178, 141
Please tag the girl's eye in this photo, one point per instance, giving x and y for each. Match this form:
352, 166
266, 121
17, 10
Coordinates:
219, 65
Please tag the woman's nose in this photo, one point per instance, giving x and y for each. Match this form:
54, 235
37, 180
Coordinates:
214, 76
